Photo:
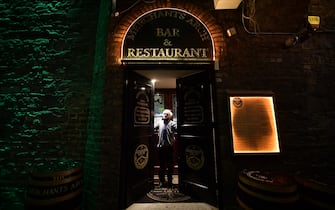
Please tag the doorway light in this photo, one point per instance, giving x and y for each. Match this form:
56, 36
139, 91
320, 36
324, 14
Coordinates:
226, 4
153, 81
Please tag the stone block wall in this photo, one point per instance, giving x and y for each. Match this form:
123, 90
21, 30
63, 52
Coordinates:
47, 51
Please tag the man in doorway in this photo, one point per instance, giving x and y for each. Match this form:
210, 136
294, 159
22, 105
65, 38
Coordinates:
166, 129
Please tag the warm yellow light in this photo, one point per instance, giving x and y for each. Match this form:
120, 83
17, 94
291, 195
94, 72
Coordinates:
314, 21
254, 126
231, 31
226, 4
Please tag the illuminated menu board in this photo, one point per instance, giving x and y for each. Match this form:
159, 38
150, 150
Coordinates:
253, 124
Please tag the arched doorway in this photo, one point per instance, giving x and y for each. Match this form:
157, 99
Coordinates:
172, 41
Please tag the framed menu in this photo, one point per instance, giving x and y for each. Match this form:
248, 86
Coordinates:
253, 124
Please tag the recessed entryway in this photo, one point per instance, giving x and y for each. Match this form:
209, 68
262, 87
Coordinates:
195, 175
157, 46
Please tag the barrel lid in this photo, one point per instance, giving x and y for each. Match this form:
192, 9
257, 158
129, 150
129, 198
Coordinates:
268, 181
49, 166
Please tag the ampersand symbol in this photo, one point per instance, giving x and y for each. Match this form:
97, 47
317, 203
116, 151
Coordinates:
167, 43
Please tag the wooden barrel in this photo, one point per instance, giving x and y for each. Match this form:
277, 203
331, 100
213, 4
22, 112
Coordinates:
56, 185
315, 194
266, 190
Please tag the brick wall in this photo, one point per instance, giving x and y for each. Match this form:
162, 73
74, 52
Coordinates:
301, 78
302, 86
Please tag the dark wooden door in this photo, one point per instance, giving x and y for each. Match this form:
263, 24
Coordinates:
198, 175
136, 163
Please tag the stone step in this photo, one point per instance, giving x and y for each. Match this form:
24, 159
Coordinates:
175, 206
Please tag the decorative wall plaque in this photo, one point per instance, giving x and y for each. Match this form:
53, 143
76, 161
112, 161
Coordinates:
141, 156
193, 110
253, 124
195, 158
142, 109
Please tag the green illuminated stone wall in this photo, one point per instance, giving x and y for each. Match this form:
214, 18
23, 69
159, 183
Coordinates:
47, 53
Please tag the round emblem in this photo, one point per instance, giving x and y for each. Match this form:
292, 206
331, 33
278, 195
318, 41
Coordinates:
237, 102
257, 175
141, 156
195, 157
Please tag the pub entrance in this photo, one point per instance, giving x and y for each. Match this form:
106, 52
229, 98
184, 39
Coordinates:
165, 97
175, 47
191, 100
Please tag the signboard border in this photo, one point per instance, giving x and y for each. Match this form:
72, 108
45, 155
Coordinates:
250, 93
178, 60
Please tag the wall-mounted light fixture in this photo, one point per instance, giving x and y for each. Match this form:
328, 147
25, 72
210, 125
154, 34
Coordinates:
226, 4
313, 25
314, 22
231, 31
298, 38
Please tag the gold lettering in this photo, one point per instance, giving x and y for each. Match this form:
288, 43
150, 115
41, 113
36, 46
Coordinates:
195, 52
131, 52
167, 32
139, 52
130, 36
154, 52
167, 53
135, 28
186, 53
199, 28
204, 52
153, 15
178, 52
182, 16
161, 53
146, 52
159, 32
204, 35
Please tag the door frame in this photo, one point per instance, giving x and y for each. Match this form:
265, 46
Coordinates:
126, 161
213, 184
175, 67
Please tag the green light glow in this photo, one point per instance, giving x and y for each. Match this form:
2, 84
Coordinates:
91, 165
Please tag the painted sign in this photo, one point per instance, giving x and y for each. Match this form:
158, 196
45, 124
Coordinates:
167, 35
141, 156
195, 158
254, 127
193, 109
142, 109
